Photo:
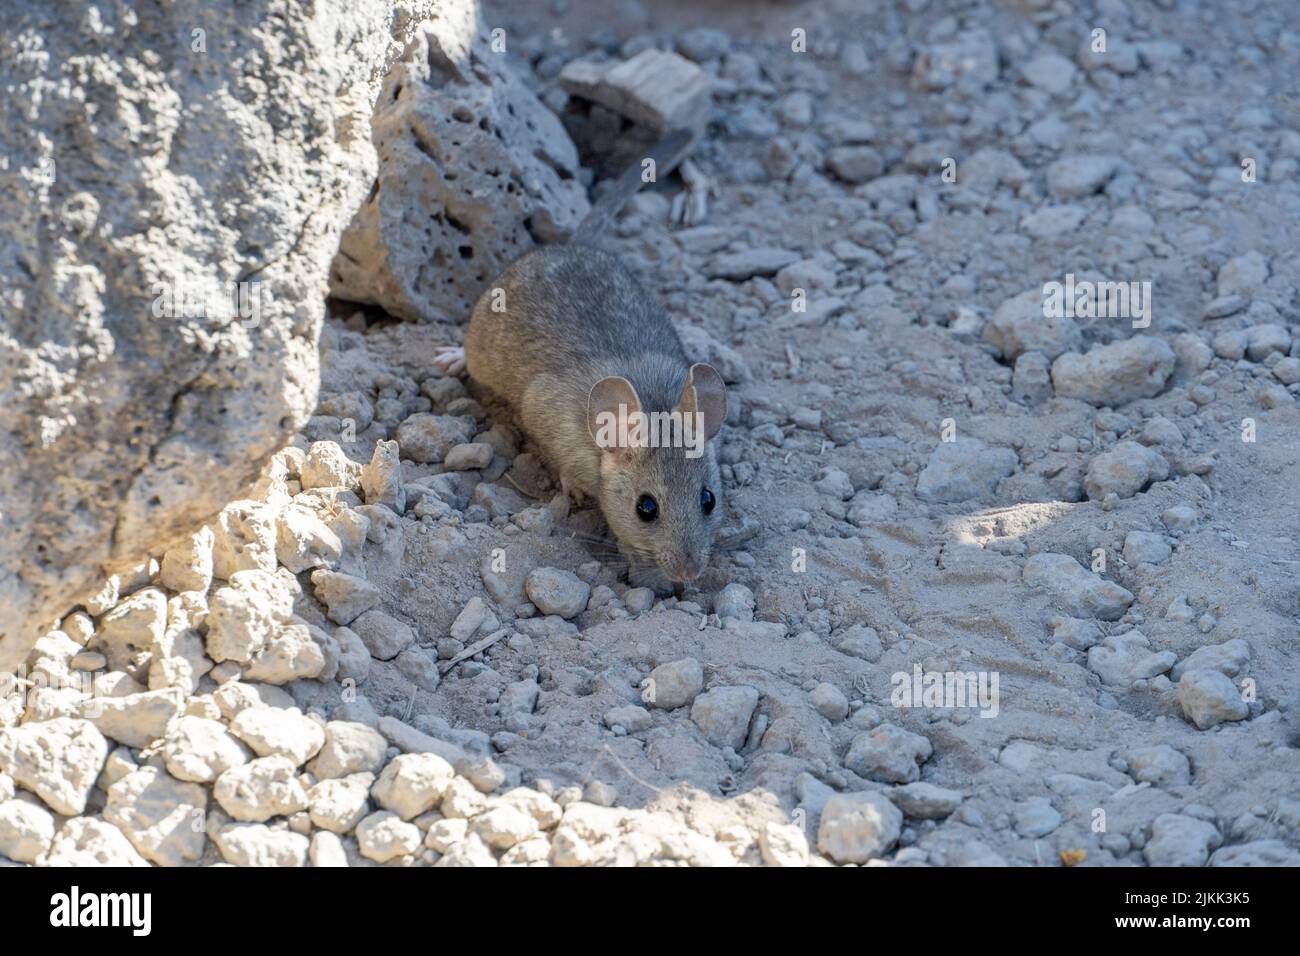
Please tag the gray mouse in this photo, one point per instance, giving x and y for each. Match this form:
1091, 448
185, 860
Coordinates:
565, 336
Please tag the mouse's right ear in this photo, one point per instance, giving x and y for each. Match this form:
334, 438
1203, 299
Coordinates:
610, 405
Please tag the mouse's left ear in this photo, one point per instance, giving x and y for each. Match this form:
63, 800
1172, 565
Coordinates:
611, 405
705, 393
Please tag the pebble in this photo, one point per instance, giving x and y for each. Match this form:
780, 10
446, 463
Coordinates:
381, 480
1159, 430
1124, 470
1076, 176
638, 600
855, 164
1075, 589
859, 641
200, 750
1115, 374
88, 841
835, 483
702, 44
427, 438
384, 635
383, 836
473, 618
1272, 853
326, 465
413, 784
349, 748
1159, 765
1035, 817
734, 601
156, 813
870, 507
286, 733
964, 469
326, 850
1230, 658
1287, 371
345, 595
888, 754
58, 760
829, 701
503, 826
1263, 340
723, 714
857, 827
135, 720
674, 684
557, 592
1019, 326
631, 718
1122, 659
1143, 547
339, 804
1243, 275
760, 261
420, 667
304, 541
1049, 72
969, 60
1209, 698
259, 790
1178, 840
256, 844
134, 627
471, 851
26, 831
1075, 632
468, 457
925, 801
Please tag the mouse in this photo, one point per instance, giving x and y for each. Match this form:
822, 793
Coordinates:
597, 377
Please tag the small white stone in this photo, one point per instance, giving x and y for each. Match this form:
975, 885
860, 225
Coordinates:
857, 827
413, 784
26, 830
383, 836
287, 733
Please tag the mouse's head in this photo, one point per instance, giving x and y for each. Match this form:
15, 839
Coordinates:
660, 488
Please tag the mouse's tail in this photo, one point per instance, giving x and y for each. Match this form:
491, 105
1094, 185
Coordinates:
666, 153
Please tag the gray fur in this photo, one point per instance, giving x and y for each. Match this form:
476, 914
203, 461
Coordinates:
570, 316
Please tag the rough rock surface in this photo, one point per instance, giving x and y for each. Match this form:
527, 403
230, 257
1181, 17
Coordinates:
474, 170
122, 367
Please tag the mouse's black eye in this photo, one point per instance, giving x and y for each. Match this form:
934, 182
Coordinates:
707, 501
647, 509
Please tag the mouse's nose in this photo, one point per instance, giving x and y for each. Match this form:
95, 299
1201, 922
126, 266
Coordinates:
690, 569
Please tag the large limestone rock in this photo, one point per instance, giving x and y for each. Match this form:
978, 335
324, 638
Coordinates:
150, 159
472, 169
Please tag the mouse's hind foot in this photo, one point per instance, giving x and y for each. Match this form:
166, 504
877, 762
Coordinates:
451, 359
691, 206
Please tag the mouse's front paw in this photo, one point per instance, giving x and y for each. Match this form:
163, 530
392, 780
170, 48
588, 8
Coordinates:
451, 360
570, 489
